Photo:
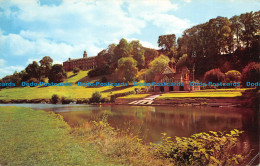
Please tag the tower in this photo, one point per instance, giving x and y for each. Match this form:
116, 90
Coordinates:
85, 55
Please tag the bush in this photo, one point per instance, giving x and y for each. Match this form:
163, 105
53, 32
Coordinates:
55, 99
233, 76
82, 101
105, 100
103, 79
57, 74
251, 73
113, 97
201, 149
96, 97
66, 101
214, 75
76, 70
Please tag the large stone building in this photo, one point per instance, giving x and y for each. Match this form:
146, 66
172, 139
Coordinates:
171, 75
85, 63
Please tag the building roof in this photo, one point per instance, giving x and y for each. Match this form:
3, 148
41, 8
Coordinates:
80, 59
171, 73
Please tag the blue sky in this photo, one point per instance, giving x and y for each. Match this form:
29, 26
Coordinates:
32, 29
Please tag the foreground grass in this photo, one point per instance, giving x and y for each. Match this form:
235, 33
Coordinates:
29, 137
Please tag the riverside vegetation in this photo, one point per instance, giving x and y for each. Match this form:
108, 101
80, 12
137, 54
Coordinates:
53, 142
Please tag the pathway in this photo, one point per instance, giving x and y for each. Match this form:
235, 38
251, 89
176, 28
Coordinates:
145, 101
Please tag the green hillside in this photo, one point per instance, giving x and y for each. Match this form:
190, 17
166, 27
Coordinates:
72, 92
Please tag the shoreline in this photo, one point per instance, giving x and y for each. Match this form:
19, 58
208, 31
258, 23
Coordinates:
189, 101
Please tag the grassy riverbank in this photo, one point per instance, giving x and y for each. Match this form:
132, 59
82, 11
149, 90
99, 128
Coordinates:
29, 137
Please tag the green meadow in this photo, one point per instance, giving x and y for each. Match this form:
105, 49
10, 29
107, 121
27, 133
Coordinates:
72, 92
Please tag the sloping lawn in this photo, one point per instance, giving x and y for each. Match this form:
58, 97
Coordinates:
29, 137
200, 94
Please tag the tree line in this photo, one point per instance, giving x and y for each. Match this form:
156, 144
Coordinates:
221, 43
38, 73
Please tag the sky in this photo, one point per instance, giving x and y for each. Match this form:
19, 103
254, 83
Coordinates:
32, 29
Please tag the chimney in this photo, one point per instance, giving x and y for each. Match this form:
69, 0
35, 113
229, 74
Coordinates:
69, 59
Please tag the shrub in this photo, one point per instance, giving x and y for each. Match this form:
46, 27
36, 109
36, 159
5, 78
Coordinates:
201, 149
113, 97
103, 79
251, 73
82, 101
214, 75
233, 76
96, 97
105, 100
55, 99
57, 74
66, 101
76, 70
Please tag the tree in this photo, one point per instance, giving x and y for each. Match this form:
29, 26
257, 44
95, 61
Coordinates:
157, 65
127, 69
55, 99
96, 97
233, 76
57, 74
250, 27
33, 70
251, 73
167, 41
149, 55
76, 70
46, 63
214, 75
183, 61
123, 49
138, 53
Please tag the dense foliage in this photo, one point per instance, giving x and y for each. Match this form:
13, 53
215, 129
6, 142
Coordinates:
233, 76
214, 75
251, 73
214, 148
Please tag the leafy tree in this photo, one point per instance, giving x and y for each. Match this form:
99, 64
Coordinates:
251, 73
76, 70
55, 99
167, 41
123, 49
96, 97
57, 74
214, 75
46, 63
183, 61
33, 70
157, 65
138, 53
250, 26
127, 69
233, 76
149, 55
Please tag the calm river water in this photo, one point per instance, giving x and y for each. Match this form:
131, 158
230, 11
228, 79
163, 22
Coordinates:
150, 121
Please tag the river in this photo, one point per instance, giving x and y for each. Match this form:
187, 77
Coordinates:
148, 122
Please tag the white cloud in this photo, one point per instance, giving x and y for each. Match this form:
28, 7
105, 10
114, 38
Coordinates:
2, 62
158, 13
8, 70
66, 30
170, 23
